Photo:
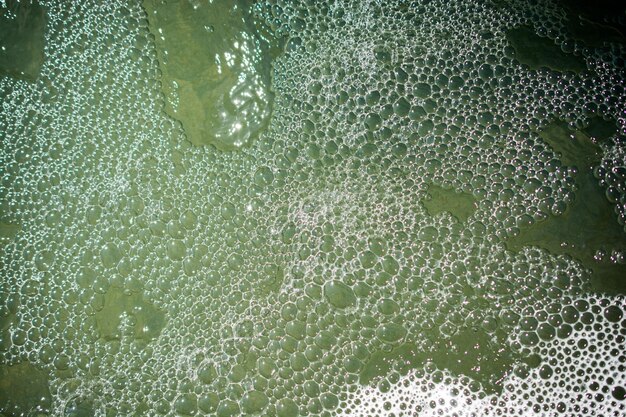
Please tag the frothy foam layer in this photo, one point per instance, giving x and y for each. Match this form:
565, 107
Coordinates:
354, 254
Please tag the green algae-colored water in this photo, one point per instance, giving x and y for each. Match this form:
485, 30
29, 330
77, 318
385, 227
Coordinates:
302, 208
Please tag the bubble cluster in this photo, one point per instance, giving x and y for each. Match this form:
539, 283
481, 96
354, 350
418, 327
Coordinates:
588, 340
354, 260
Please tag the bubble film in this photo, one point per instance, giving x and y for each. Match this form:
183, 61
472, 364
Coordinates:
365, 208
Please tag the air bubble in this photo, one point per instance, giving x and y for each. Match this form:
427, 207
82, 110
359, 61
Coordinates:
339, 294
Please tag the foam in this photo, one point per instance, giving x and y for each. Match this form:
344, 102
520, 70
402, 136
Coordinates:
302, 275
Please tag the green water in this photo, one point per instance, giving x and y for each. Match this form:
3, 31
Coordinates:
302, 208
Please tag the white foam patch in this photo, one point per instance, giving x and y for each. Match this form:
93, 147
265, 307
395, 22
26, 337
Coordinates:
583, 373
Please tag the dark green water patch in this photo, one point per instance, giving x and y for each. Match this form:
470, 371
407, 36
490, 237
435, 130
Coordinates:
128, 313
599, 129
474, 353
589, 225
381, 362
599, 12
578, 148
216, 69
23, 390
461, 205
22, 30
591, 33
537, 52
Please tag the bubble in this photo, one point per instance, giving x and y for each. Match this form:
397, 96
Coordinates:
546, 331
287, 408
613, 313
299, 362
44, 260
296, 330
208, 402
388, 307
619, 393
254, 402
373, 121
368, 259
266, 367
329, 401
188, 219
422, 90
207, 373
391, 332
339, 294
110, 255
228, 408
263, 176
186, 404
176, 249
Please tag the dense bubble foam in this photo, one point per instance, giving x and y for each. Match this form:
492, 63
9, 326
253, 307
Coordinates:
380, 248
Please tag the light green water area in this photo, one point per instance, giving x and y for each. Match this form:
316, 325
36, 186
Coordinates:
312, 208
